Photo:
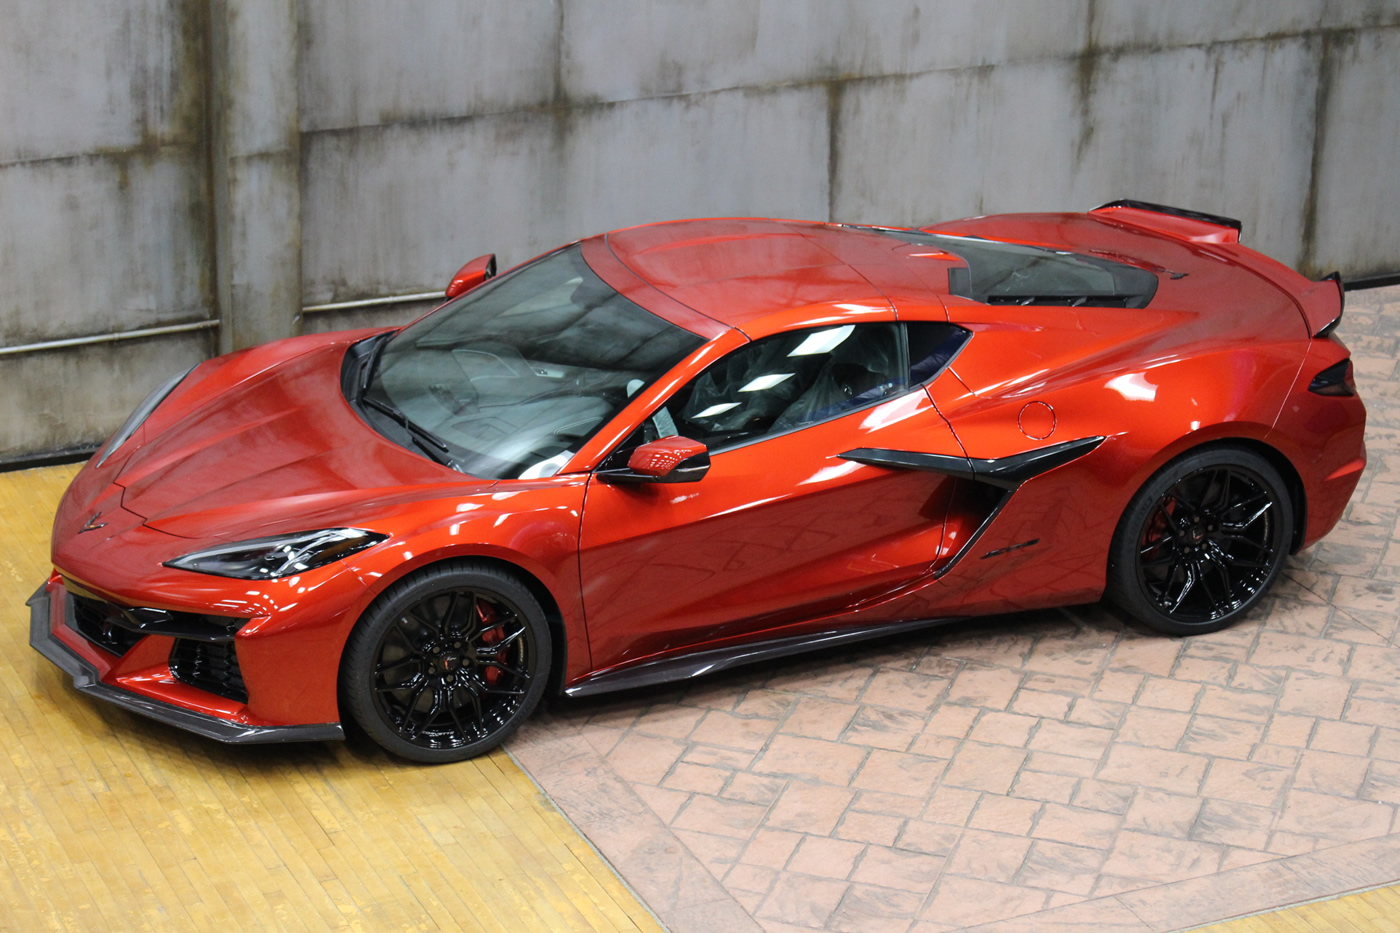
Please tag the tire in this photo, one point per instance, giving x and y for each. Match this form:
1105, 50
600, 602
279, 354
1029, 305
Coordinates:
1201, 542
447, 663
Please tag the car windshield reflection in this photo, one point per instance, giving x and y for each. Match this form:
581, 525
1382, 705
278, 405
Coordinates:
517, 374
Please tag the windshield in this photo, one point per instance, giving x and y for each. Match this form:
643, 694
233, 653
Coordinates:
513, 377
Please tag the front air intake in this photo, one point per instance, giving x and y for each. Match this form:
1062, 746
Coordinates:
211, 666
101, 623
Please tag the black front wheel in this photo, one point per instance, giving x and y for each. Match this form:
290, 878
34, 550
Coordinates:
447, 663
1201, 542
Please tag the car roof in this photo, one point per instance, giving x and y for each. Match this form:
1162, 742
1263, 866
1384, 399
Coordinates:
762, 276
741, 271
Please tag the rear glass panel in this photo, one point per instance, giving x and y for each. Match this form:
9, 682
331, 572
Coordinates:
1013, 273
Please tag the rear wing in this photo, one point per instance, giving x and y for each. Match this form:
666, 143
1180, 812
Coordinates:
1176, 222
1321, 302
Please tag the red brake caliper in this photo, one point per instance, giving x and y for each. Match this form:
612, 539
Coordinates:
490, 634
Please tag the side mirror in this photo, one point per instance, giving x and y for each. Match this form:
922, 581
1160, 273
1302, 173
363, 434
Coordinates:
472, 274
668, 460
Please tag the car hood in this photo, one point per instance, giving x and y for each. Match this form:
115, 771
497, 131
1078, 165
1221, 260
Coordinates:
281, 451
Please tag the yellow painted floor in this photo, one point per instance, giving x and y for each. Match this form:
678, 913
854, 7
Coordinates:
1376, 911
111, 822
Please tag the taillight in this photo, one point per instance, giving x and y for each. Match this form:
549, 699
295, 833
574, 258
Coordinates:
1334, 380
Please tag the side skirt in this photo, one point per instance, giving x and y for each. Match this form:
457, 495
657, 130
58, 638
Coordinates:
665, 670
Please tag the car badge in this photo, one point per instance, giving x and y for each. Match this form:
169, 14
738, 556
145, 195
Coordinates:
92, 523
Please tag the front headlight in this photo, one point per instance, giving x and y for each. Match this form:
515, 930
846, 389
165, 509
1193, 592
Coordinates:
278, 556
139, 416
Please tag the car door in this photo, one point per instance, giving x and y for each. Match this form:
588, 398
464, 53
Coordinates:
782, 529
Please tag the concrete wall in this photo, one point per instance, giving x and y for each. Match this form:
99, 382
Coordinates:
104, 215
231, 160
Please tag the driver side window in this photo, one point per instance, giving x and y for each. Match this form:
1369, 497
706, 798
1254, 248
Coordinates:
782, 383
794, 379
788, 381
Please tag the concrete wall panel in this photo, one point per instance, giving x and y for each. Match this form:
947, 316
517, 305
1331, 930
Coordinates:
100, 244
398, 211
736, 153
255, 157
957, 143
365, 64
1225, 128
80, 77
1355, 222
1199, 22
1198, 127
260, 87
262, 258
77, 398
628, 49
1207, 22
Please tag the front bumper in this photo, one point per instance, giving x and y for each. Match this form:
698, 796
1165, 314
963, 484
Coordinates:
88, 680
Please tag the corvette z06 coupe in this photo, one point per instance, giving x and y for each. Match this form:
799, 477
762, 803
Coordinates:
677, 448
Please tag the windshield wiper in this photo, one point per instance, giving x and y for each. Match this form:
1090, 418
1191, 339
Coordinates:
371, 365
426, 440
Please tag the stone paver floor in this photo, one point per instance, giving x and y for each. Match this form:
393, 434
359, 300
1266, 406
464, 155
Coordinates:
1025, 763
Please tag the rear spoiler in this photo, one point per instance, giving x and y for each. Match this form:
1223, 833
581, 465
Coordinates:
1322, 303
1176, 222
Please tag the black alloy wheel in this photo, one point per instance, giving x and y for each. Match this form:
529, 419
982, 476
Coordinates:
1201, 542
447, 663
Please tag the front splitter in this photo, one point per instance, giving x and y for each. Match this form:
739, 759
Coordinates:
86, 679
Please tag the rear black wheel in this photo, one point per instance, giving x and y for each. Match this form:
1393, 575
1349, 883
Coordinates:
447, 663
1201, 542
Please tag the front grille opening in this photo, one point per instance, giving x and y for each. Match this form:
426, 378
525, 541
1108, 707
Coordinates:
97, 621
211, 666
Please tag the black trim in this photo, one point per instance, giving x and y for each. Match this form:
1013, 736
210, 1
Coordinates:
1326, 329
1067, 301
51, 458
1216, 219
946, 464
1383, 280
1335, 380
1011, 547
665, 670
209, 666
690, 470
971, 542
95, 620
1002, 472
142, 621
85, 679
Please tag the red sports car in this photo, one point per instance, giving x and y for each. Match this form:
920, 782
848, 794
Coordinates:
676, 448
